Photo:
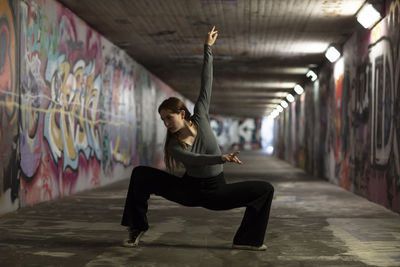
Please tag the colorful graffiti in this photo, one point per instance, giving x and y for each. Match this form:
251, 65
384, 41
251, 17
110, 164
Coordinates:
118, 106
9, 112
236, 133
384, 59
356, 115
146, 117
374, 124
61, 80
87, 109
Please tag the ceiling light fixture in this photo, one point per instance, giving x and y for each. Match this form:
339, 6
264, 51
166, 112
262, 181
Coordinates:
312, 75
298, 89
309, 47
284, 104
368, 16
290, 98
279, 108
274, 113
332, 54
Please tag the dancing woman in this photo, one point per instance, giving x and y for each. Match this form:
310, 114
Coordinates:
191, 142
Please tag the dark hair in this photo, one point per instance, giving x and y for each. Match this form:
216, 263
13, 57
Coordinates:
174, 105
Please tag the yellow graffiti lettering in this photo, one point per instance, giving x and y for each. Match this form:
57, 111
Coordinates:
77, 107
68, 120
91, 103
55, 131
376, 33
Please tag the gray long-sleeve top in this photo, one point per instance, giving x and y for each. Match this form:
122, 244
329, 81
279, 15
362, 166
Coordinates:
203, 159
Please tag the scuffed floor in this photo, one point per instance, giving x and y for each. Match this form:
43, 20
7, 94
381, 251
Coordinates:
313, 223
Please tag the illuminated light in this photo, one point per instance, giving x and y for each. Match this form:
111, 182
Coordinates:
290, 98
284, 104
279, 108
288, 70
332, 54
368, 16
338, 69
308, 47
274, 113
298, 89
270, 149
312, 75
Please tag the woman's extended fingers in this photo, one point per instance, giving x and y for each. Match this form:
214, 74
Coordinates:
213, 33
211, 36
234, 158
212, 30
237, 160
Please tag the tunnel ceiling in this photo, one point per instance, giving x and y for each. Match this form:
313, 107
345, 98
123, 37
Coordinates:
264, 47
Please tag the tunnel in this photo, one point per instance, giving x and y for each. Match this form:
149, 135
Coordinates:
286, 108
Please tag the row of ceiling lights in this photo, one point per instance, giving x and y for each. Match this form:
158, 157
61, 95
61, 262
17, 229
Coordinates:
368, 17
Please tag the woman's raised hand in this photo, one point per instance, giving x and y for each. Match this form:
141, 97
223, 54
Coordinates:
232, 157
211, 36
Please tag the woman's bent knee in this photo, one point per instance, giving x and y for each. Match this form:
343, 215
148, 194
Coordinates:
142, 170
138, 173
138, 169
268, 187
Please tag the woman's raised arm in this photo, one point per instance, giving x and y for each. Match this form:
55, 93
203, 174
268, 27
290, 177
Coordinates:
203, 102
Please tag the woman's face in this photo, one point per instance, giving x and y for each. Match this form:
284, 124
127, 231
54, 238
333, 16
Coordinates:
173, 121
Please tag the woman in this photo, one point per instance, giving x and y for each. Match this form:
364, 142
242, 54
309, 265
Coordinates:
191, 141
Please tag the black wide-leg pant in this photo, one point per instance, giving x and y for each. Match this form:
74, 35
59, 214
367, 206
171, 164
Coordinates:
212, 193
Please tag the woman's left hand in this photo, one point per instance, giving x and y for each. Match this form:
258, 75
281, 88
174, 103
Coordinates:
232, 157
211, 36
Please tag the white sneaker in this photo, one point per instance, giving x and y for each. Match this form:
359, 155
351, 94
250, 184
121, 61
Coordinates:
134, 238
248, 247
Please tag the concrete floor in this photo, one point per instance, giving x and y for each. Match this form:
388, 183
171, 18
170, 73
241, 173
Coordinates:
312, 223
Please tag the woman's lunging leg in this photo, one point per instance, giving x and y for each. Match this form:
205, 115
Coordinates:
145, 181
135, 211
256, 196
255, 220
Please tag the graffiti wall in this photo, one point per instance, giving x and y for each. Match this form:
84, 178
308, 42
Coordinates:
9, 111
87, 109
236, 133
79, 114
354, 111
